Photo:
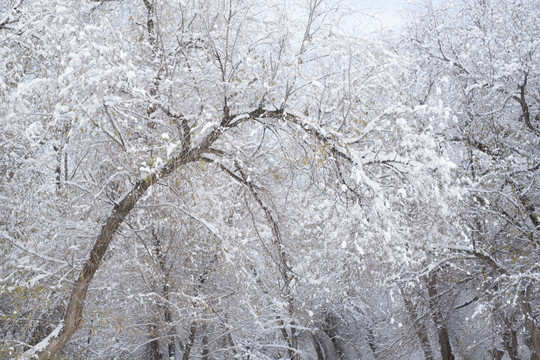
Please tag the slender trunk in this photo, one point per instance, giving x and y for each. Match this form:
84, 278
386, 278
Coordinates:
66, 168
530, 324
191, 340
442, 331
204, 352
497, 354
339, 351
155, 353
65, 137
294, 338
165, 290
510, 343
279, 320
286, 337
73, 319
228, 342
317, 346
282, 265
231, 344
525, 306
330, 330
419, 327
58, 169
371, 340
171, 340
509, 338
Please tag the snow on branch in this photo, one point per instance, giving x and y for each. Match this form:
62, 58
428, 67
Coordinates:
42, 345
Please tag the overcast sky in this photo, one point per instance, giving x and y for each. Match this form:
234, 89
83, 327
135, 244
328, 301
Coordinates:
374, 14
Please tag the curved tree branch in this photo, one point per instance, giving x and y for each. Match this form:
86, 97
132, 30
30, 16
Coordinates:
73, 318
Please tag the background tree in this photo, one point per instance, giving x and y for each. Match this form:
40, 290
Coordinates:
478, 59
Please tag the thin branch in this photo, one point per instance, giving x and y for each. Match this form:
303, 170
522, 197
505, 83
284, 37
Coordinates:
116, 128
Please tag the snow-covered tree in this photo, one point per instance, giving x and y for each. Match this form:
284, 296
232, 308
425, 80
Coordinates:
479, 60
240, 178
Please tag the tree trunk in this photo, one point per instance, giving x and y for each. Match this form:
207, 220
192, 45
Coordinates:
204, 344
510, 343
330, 330
191, 340
282, 265
509, 338
497, 354
155, 353
165, 290
294, 340
419, 326
442, 331
371, 340
230, 341
317, 346
530, 324
525, 306
73, 319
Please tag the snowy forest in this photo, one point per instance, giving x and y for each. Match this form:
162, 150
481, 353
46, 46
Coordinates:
247, 179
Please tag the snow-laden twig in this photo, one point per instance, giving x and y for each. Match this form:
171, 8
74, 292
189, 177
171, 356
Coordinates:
17, 244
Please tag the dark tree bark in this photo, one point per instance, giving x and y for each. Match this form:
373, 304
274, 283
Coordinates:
154, 352
191, 340
330, 329
419, 326
316, 346
509, 338
442, 331
73, 317
531, 325
282, 264
204, 344
497, 354
371, 340
530, 322
165, 290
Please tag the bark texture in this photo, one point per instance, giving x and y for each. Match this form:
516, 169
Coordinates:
419, 326
442, 331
